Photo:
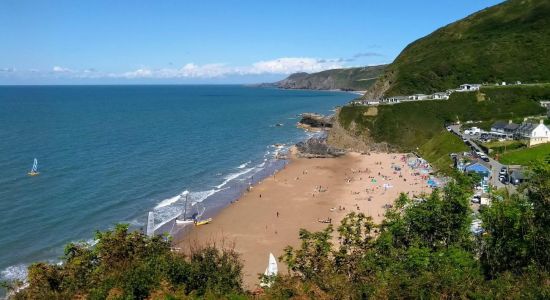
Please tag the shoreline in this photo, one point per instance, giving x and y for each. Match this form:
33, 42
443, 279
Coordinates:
305, 192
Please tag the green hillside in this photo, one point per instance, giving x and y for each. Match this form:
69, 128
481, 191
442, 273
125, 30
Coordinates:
412, 124
507, 42
358, 79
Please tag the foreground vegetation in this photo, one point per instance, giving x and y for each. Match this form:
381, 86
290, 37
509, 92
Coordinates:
131, 265
423, 249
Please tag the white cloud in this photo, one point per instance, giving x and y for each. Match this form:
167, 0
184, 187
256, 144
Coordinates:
282, 66
289, 65
285, 66
58, 69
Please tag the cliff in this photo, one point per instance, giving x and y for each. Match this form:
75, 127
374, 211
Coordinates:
350, 79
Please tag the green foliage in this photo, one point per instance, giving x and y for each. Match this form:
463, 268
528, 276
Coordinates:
518, 228
130, 265
506, 42
527, 156
437, 150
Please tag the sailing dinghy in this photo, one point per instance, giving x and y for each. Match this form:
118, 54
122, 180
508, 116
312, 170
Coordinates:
34, 170
270, 272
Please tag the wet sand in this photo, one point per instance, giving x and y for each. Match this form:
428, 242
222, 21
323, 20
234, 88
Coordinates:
268, 217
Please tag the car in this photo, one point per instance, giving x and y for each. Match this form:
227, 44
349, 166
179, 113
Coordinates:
503, 171
485, 158
476, 199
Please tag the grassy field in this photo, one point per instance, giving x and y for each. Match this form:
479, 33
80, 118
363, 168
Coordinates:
527, 155
504, 146
437, 150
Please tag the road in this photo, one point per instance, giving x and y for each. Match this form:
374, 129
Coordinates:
495, 165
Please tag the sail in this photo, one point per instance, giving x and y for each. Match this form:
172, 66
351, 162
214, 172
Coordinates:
35, 166
151, 224
272, 266
270, 272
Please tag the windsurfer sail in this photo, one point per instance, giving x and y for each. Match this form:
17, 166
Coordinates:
34, 170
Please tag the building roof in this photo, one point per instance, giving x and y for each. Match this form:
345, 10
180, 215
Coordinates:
477, 167
499, 125
505, 126
527, 128
511, 126
517, 174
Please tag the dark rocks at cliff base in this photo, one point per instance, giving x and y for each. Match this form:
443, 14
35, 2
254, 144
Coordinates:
316, 121
317, 147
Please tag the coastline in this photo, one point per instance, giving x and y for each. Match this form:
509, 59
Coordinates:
267, 218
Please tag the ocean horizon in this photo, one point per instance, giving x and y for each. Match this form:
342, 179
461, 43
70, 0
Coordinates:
109, 154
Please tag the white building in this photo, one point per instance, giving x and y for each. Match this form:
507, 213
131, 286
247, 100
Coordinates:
467, 87
533, 134
440, 96
419, 97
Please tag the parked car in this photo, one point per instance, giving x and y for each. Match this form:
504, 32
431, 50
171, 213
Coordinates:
476, 199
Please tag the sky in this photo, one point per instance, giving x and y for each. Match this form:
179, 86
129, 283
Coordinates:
207, 41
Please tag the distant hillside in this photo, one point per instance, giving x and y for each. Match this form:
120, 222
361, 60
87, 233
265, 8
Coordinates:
506, 42
355, 79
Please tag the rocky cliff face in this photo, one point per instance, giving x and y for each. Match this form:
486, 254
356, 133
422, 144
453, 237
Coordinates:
352, 139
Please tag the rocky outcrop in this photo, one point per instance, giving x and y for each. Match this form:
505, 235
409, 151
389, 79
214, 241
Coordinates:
317, 148
315, 121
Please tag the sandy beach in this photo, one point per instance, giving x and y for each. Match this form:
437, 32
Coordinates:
268, 217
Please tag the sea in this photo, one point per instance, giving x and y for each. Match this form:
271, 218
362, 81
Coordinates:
112, 154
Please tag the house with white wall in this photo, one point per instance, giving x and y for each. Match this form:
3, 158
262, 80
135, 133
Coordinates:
440, 96
468, 87
533, 134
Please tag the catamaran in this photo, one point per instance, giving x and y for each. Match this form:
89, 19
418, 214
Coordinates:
34, 170
185, 220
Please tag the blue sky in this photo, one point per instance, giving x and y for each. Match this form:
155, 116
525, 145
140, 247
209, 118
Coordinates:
225, 41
